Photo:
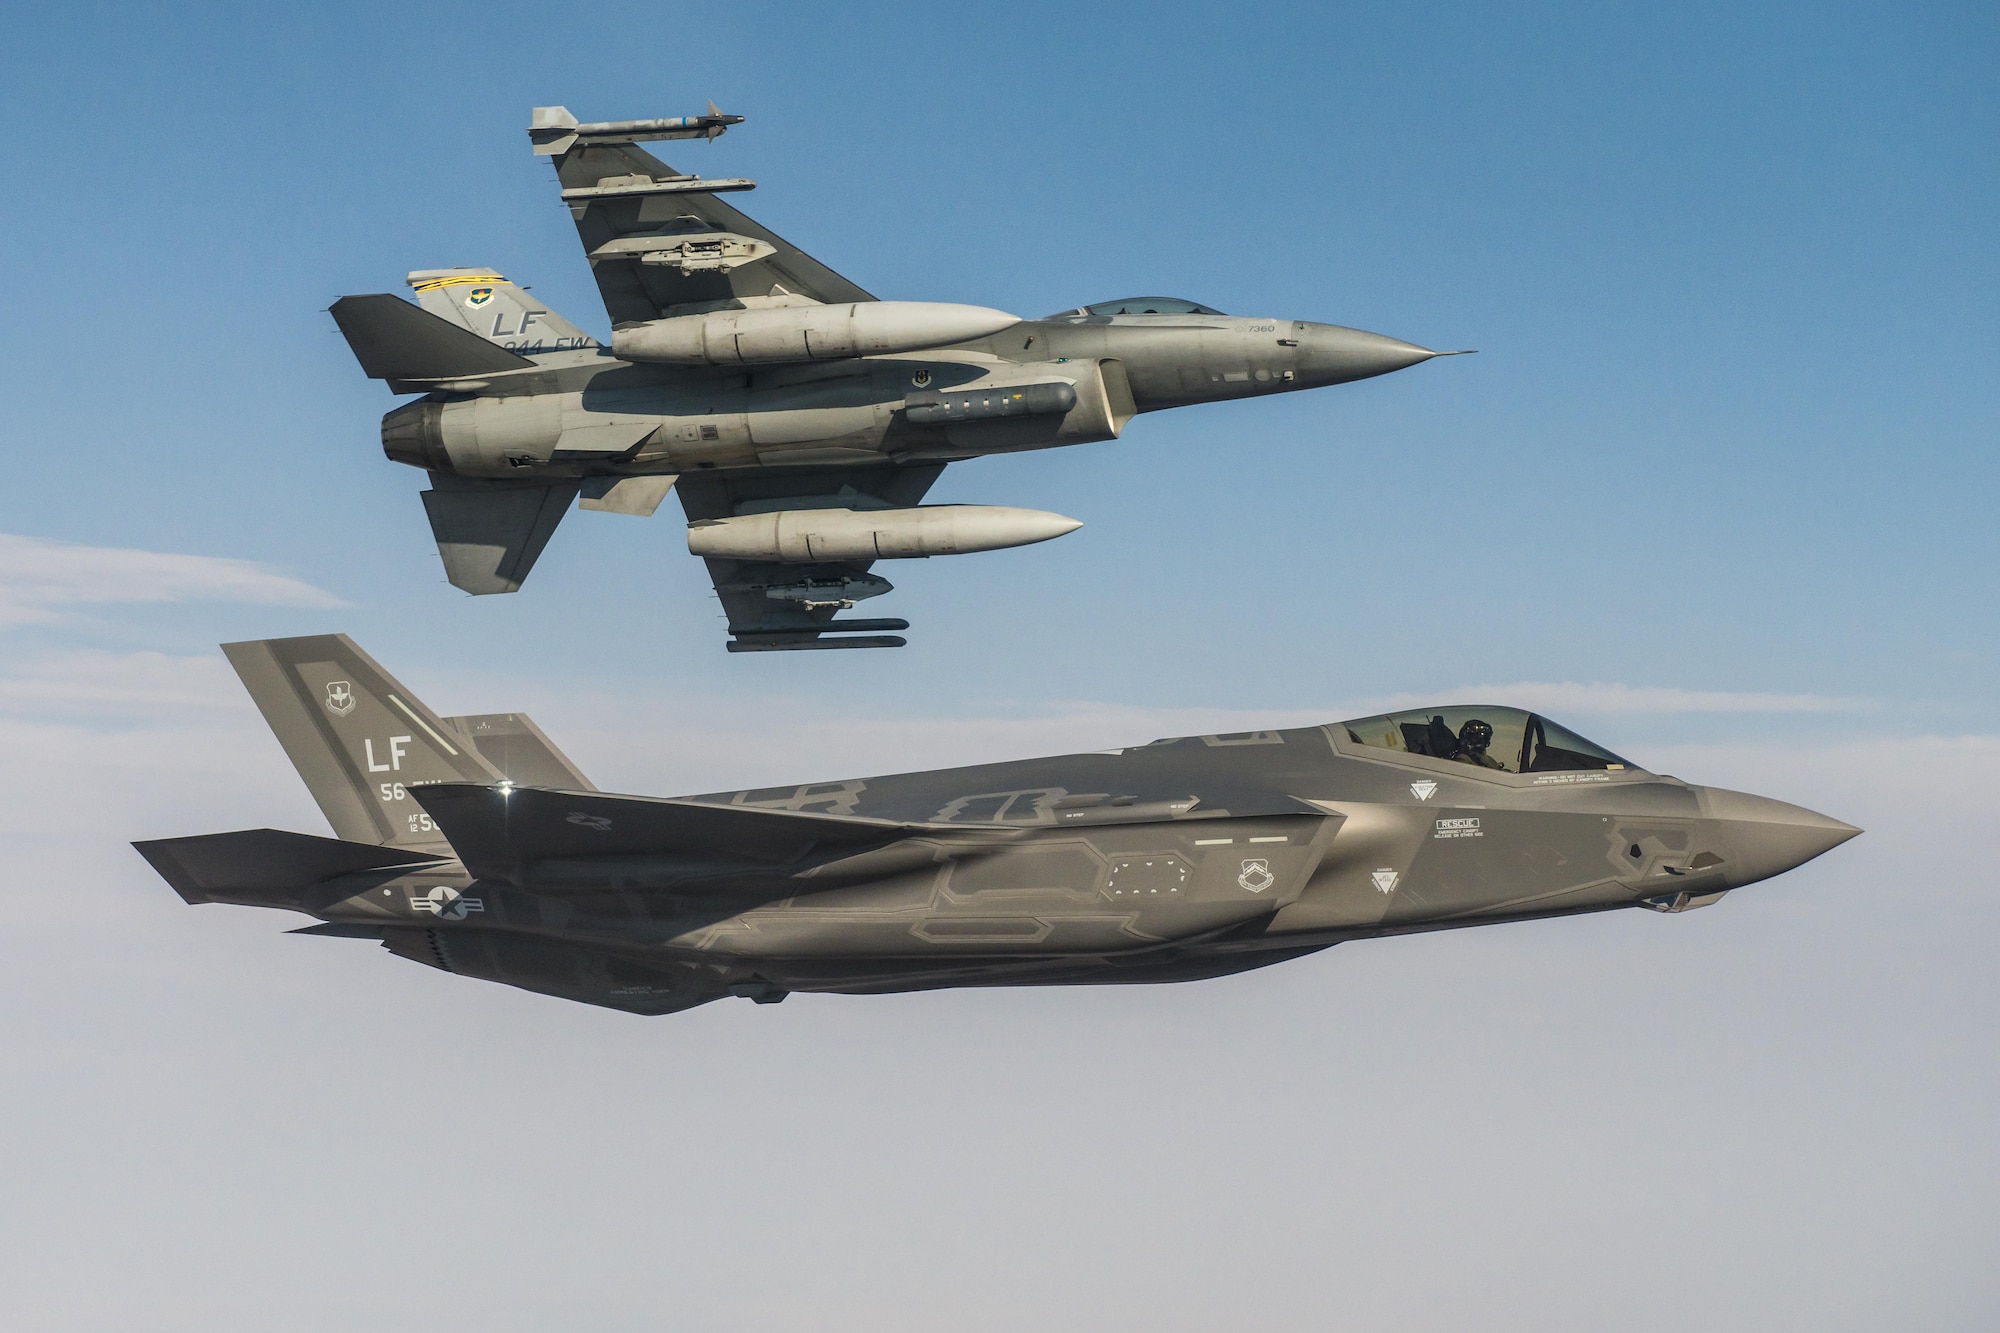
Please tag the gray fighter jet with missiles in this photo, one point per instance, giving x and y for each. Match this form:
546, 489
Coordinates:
804, 419
472, 845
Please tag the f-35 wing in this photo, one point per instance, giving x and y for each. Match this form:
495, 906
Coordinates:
779, 606
658, 240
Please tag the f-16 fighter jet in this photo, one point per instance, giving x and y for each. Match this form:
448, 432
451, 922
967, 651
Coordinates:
472, 845
804, 418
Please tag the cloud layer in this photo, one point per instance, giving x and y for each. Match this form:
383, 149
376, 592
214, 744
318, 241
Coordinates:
41, 579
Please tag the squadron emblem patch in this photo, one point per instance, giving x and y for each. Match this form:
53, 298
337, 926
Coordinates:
1256, 876
479, 296
339, 698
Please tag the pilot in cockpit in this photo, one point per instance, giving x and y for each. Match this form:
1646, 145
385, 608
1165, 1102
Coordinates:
1474, 739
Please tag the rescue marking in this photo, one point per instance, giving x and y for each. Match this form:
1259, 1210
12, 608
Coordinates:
1386, 879
1423, 790
1458, 828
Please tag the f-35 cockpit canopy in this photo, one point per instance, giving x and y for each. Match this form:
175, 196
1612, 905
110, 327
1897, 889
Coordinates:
1506, 740
1140, 305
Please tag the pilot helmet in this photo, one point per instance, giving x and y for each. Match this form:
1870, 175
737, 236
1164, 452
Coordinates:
1475, 735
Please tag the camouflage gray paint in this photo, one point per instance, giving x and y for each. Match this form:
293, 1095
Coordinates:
473, 845
765, 382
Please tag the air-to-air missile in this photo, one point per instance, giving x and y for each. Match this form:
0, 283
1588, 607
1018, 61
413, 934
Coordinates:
756, 375
554, 131
471, 844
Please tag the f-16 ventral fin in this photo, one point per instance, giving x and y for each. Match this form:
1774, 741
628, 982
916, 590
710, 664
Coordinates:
490, 533
357, 736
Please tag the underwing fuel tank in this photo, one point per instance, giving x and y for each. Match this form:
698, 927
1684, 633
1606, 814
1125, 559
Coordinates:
808, 535
805, 333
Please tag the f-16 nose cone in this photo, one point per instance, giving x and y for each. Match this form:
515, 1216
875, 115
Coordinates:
1331, 354
1767, 837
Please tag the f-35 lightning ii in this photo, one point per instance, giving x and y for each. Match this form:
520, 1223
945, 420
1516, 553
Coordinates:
804, 418
472, 845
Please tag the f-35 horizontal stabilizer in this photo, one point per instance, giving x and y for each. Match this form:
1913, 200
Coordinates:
497, 831
412, 348
490, 533
264, 867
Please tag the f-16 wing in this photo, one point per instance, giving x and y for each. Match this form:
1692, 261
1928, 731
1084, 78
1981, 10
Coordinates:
658, 240
777, 606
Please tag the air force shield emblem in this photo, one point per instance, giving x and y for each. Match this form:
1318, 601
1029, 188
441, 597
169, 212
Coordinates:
1256, 876
339, 698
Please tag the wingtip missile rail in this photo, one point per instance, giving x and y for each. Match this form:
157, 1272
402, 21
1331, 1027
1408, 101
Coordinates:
555, 131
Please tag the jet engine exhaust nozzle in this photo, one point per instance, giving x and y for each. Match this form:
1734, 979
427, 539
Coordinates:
414, 434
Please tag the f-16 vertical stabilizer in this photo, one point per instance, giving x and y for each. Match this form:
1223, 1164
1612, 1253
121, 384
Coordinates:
482, 302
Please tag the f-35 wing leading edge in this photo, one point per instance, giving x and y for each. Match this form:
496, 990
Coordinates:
804, 419
471, 844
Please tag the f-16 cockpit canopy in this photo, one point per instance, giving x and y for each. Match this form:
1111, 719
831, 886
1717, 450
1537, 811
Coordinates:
1506, 740
1141, 305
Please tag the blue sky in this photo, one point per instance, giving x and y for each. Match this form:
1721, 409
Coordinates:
1717, 489
1728, 271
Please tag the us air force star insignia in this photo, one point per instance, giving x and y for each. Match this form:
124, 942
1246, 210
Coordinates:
1385, 879
479, 296
597, 823
1256, 876
447, 903
1423, 790
339, 698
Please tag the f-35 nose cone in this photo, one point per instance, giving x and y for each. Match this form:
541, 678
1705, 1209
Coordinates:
1767, 837
1331, 354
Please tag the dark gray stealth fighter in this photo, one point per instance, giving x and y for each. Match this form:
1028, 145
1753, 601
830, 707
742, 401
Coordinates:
472, 845
804, 419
